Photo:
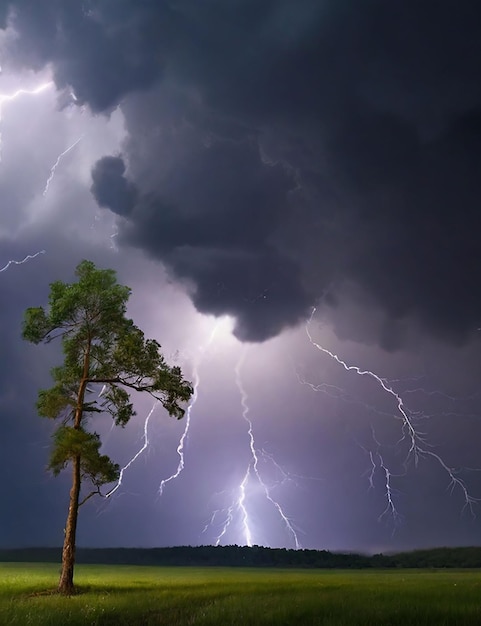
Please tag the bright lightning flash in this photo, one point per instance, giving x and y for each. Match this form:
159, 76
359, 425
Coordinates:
20, 92
240, 505
16, 94
418, 448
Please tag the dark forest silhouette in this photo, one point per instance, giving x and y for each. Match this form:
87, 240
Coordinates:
256, 556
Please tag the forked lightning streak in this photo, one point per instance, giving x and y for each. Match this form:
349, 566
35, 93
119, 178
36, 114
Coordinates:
418, 448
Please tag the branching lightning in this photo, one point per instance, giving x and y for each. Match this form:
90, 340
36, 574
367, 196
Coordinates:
377, 463
183, 438
27, 258
56, 164
418, 447
239, 506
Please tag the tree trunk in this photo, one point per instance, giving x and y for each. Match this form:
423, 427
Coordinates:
66, 585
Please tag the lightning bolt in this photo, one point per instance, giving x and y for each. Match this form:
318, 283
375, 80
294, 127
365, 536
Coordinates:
56, 164
185, 433
145, 438
21, 92
144, 447
239, 505
183, 438
17, 94
8, 98
418, 448
27, 258
377, 464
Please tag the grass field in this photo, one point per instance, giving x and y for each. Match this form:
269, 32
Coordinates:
142, 596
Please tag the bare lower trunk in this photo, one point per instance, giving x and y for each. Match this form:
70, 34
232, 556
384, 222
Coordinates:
65, 585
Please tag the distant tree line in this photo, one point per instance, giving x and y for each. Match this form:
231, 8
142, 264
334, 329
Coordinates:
256, 556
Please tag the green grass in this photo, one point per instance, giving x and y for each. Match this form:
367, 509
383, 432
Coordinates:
144, 596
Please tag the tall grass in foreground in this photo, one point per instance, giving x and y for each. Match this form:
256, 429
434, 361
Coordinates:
143, 596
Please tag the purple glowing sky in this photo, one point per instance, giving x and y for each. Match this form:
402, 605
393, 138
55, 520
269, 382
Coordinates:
292, 192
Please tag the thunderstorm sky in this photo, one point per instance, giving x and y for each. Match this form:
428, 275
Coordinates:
292, 190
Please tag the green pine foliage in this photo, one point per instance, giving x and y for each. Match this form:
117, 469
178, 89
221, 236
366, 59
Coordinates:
69, 442
89, 316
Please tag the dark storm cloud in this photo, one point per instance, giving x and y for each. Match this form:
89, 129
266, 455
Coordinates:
375, 106
110, 187
215, 235
431, 233
102, 50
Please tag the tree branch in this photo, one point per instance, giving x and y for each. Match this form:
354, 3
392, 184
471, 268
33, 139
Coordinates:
120, 381
92, 493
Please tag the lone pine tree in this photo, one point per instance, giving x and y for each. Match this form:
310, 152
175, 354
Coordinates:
103, 349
